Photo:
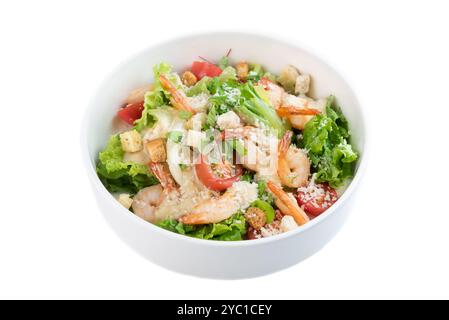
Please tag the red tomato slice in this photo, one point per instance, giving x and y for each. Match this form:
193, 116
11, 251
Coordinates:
209, 178
317, 199
131, 112
202, 69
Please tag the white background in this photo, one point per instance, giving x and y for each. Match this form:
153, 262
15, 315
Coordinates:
54, 242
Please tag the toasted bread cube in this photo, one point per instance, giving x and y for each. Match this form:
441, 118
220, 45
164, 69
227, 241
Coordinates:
125, 200
156, 150
242, 70
255, 217
287, 78
302, 84
188, 78
131, 141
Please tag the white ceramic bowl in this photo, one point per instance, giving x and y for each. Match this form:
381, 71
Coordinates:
213, 259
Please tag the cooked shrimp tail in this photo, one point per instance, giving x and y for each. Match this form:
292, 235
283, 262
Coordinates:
284, 144
179, 100
287, 204
288, 110
162, 173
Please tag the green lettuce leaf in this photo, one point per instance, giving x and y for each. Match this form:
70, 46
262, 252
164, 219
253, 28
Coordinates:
263, 192
229, 73
155, 98
255, 111
211, 85
326, 137
248, 176
231, 229
200, 87
118, 175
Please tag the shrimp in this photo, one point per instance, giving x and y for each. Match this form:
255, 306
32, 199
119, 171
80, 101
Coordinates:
162, 173
179, 100
190, 193
274, 92
293, 163
146, 201
300, 110
217, 209
288, 204
212, 210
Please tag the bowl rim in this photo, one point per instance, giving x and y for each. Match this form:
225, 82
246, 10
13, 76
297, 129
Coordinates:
295, 44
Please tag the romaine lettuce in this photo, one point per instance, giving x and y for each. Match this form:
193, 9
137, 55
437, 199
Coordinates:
201, 86
255, 111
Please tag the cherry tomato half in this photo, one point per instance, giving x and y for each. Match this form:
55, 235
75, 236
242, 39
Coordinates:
202, 69
207, 174
131, 112
316, 199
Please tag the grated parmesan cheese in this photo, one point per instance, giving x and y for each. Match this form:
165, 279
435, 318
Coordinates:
269, 231
312, 190
244, 193
320, 196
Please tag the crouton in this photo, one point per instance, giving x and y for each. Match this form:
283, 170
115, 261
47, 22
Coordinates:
125, 200
287, 78
156, 150
242, 70
131, 141
302, 84
255, 217
188, 78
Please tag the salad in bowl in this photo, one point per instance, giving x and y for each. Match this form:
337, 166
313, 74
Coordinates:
227, 151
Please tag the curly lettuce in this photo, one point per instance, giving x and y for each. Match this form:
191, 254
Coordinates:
155, 98
326, 138
231, 229
121, 176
